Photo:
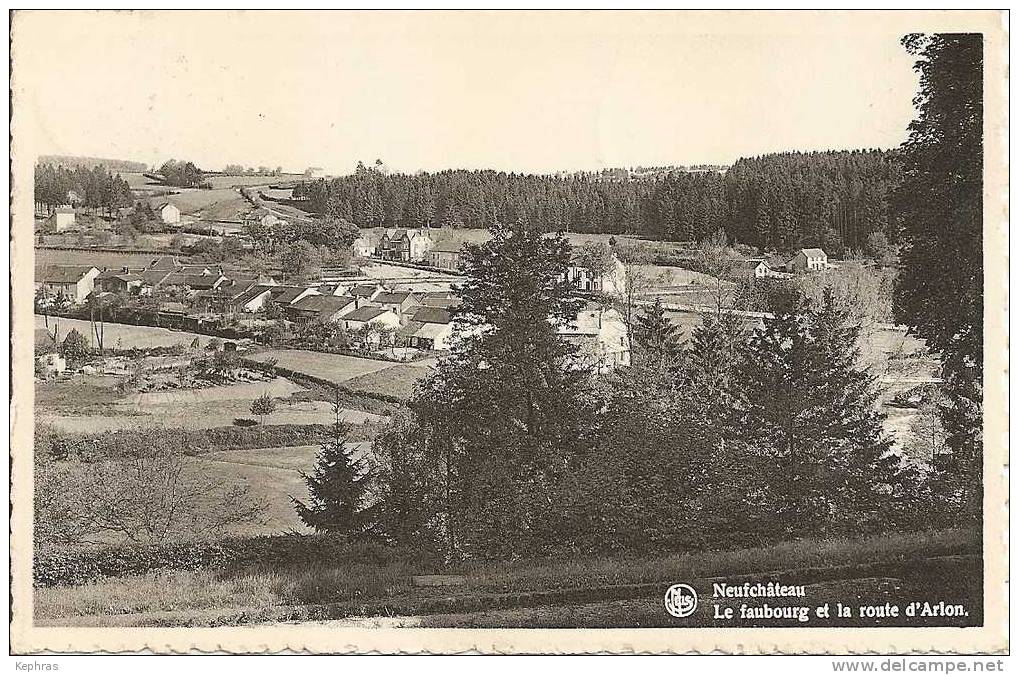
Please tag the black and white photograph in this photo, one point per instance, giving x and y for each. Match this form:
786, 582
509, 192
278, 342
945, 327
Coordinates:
348, 326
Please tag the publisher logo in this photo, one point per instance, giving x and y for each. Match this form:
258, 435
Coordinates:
680, 600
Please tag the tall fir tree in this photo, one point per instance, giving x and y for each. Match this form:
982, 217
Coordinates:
810, 412
939, 208
337, 487
656, 334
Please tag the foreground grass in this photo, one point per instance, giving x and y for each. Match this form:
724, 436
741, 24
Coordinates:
263, 588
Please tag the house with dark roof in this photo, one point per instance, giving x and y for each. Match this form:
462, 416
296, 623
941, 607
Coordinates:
433, 328
757, 268
326, 308
406, 245
601, 338
69, 282
398, 302
374, 317
446, 255
119, 281
366, 291
288, 295
254, 298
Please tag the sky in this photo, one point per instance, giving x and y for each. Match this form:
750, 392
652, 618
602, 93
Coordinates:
514, 91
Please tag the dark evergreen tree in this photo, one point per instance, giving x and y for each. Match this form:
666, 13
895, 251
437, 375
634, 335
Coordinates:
338, 486
655, 334
939, 207
809, 410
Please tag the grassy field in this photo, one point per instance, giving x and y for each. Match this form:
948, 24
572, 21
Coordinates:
124, 336
397, 381
101, 259
336, 368
253, 591
193, 201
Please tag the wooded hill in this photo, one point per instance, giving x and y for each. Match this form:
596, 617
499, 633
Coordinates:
782, 201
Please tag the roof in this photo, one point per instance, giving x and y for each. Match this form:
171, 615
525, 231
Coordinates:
753, 263
813, 252
427, 314
448, 246
203, 281
323, 304
126, 276
363, 290
391, 298
252, 292
62, 274
365, 314
63, 209
165, 204
287, 294
153, 277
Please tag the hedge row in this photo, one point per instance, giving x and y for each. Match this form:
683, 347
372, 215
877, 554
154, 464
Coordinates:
81, 566
194, 441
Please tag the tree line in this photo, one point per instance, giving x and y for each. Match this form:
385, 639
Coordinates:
94, 188
780, 201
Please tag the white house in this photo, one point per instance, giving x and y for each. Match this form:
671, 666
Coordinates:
445, 255
71, 282
601, 338
584, 279
376, 317
168, 213
362, 247
62, 218
757, 268
808, 260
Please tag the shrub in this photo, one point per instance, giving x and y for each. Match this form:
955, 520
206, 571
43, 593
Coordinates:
79, 566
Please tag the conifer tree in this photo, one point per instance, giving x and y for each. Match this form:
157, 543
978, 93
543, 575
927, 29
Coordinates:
810, 411
653, 331
337, 487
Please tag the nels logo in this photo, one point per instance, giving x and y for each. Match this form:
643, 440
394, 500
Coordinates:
680, 600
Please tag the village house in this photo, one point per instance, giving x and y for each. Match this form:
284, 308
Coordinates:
808, 260
377, 317
429, 328
62, 218
168, 213
366, 292
757, 268
396, 302
362, 247
404, 245
69, 282
254, 298
285, 296
445, 255
588, 281
325, 308
601, 338
119, 281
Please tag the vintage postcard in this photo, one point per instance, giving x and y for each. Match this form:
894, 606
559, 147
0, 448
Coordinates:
509, 332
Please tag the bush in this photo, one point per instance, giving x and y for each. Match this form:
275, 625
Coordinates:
80, 566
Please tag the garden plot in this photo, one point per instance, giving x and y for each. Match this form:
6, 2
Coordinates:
277, 388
